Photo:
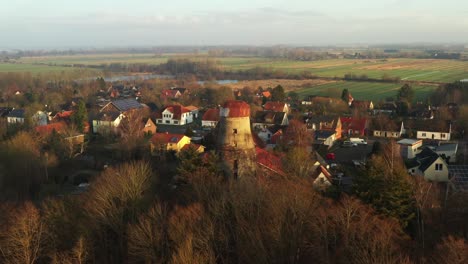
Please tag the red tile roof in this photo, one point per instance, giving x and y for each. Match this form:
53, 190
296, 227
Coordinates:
64, 114
166, 138
322, 169
353, 123
266, 94
270, 160
276, 137
191, 145
169, 93
176, 110
47, 129
211, 114
237, 108
274, 106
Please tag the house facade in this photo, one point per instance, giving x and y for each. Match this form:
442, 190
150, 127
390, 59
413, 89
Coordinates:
107, 122
434, 135
163, 142
409, 147
210, 118
175, 115
149, 127
431, 166
352, 126
390, 134
265, 119
16, 116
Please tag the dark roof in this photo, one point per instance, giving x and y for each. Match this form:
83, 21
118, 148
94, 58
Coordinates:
153, 107
435, 125
275, 128
126, 104
426, 158
211, 114
323, 133
4, 111
16, 113
180, 89
269, 117
107, 116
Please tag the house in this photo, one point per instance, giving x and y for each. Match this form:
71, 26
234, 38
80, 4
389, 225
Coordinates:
458, 175
276, 107
196, 147
175, 115
328, 123
107, 122
350, 99
193, 110
122, 106
162, 142
62, 116
388, 108
321, 178
387, 132
16, 116
210, 118
4, 111
264, 119
170, 94
40, 118
435, 133
430, 165
409, 147
48, 129
267, 134
149, 127
362, 105
352, 126
448, 151
324, 137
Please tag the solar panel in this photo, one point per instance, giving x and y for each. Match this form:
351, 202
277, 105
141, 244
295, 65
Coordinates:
459, 176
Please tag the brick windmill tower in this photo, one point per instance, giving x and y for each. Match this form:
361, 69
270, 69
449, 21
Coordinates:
234, 144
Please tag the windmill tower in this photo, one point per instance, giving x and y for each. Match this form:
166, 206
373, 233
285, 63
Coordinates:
234, 143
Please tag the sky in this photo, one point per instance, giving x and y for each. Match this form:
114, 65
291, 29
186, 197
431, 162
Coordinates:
125, 23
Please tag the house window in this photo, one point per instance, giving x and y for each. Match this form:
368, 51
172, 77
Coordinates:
159, 121
234, 131
176, 122
438, 167
423, 134
168, 122
442, 135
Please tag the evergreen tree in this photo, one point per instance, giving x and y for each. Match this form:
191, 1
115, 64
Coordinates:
277, 94
345, 95
385, 185
406, 93
80, 116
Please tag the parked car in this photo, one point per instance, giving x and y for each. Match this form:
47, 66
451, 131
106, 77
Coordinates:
348, 144
359, 141
330, 156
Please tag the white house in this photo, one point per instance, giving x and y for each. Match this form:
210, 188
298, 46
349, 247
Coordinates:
16, 116
434, 135
409, 148
431, 166
447, 151
390, 134
107, 122
175, 115
210, 118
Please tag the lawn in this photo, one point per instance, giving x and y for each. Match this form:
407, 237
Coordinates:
363, 90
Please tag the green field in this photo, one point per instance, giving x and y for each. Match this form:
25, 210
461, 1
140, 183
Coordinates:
364, 90
407, 69
10, 67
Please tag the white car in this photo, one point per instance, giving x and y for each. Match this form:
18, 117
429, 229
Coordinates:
348, 144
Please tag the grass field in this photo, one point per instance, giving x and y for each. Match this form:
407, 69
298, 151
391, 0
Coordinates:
10, 67
406, 69
363, 90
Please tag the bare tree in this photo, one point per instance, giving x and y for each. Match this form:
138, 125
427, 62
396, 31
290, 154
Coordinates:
23, 240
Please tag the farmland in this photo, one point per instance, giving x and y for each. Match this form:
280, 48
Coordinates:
24, 67
363, 90
406, 69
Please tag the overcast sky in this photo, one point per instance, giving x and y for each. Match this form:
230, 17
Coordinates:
104, 23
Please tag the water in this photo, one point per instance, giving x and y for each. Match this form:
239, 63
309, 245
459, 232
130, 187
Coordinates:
142, 77
220, 81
